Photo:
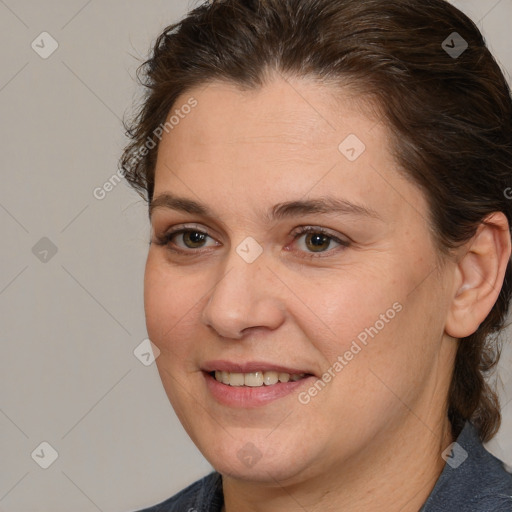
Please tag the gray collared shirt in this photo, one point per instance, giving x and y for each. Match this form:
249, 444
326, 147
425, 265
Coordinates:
473, 480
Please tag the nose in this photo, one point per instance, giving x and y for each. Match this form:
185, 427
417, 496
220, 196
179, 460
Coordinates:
245, 297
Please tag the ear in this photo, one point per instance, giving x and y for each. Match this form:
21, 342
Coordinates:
479, 276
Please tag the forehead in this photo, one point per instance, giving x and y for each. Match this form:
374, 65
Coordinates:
277, 142
286, 118
280, 103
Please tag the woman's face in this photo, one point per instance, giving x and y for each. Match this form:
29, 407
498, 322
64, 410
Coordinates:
358, 304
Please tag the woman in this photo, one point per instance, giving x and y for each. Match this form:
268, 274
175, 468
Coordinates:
330, 252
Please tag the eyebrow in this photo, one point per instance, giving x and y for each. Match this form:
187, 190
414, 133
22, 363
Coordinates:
324, 204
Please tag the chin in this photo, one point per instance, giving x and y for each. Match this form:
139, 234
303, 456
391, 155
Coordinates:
245, 460
269, 472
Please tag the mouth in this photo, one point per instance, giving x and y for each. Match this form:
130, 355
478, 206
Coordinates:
256, 379
252, 384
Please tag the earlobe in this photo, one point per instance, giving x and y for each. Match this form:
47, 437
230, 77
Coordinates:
479, 276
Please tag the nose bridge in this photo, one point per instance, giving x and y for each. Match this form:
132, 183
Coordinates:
242, 297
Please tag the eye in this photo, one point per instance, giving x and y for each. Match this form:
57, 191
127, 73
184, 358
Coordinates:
184, 239
188, 240
317, 240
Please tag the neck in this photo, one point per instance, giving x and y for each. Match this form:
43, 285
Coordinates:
397, 471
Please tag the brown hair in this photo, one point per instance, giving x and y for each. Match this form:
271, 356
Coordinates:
450, 117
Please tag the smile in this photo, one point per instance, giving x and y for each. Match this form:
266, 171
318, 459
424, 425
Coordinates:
255, 379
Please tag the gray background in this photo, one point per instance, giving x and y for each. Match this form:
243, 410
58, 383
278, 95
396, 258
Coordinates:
70, 321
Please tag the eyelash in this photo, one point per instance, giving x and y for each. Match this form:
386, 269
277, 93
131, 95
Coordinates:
165, 240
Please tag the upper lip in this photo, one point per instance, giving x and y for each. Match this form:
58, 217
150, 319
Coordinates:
250, 366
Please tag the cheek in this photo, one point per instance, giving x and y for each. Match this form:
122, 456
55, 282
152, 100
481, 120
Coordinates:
348, 306
373, 323
170, 301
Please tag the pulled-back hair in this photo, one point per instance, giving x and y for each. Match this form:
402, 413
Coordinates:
449, 116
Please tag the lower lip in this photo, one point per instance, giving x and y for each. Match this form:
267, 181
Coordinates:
248, 397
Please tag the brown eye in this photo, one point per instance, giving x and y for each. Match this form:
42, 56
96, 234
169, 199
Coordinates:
318, 240
193, 239
185, 240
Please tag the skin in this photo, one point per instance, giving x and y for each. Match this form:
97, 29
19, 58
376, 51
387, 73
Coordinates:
372, 438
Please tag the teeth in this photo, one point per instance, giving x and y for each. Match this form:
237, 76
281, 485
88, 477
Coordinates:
270, 378
256, 379
236, 379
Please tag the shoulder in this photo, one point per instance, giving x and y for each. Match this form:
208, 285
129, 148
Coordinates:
473, 479
204, 495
